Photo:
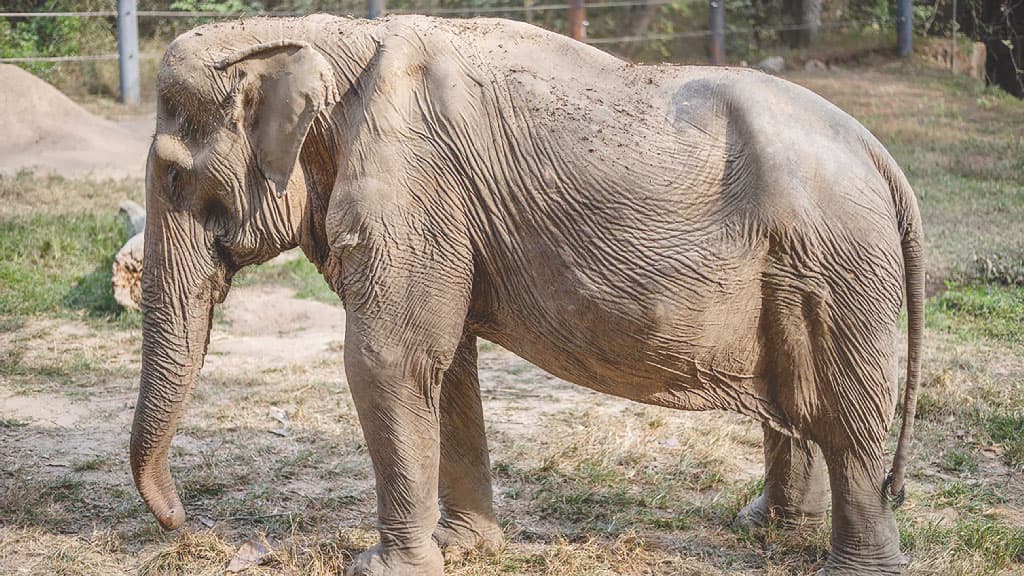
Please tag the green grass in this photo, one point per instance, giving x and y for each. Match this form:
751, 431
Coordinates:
959, 460
985, 311
973, 497
987, 546
91, 464
58, 263
1007, 428
299, 274
998, 544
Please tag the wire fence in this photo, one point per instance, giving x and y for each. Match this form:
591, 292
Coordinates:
462, 11
639, 30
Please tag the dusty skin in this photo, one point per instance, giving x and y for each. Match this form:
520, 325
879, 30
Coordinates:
688, 237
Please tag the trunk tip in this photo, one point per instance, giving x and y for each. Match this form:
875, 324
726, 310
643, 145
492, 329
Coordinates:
172, 517
162, 499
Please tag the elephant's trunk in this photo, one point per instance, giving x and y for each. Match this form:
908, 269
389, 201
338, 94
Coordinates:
181, 282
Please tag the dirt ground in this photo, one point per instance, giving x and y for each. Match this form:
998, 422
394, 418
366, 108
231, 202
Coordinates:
47, 132
586, 484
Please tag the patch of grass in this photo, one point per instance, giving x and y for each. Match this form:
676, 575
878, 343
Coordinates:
91, 464
959, 460
59, 263
1002, 269
299, 274
974, 545
1008, 429
51, 502
999, 545
979, 311
943, 397
12, 423
972, 497
27, 193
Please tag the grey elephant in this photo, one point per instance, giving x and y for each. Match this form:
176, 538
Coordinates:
691, 237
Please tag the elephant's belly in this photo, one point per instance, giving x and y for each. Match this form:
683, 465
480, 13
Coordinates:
707, 360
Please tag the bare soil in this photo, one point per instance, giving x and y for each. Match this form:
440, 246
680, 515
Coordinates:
46, 131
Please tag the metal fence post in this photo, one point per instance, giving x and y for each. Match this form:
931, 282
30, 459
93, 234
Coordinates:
374, 9
128, 50
577, 19
718, 32
904, 27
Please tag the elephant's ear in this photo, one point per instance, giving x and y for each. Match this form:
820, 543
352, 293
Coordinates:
281, 88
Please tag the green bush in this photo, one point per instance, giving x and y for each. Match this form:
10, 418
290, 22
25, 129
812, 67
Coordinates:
61, 36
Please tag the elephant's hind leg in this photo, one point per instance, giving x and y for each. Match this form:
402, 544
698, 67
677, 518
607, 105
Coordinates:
865, 539
831, 348
795, 492
857, 376
467, 520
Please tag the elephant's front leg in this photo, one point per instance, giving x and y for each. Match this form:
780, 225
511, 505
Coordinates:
396, 393
468, 519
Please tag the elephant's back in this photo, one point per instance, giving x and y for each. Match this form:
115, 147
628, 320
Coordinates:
792, 163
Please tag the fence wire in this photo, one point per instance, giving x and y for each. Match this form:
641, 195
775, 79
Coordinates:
761, 32
455, 11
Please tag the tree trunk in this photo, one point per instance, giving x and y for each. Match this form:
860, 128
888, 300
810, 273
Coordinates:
807, 15
1001, 27
127, 268
127, 273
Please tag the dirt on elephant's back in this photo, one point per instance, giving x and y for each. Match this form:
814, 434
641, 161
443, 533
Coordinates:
45, 130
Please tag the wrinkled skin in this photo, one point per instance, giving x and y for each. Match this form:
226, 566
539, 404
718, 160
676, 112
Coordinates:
689, 237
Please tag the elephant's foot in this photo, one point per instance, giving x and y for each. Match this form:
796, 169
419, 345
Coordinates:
845, 565
456, 535
759, 514
379, 561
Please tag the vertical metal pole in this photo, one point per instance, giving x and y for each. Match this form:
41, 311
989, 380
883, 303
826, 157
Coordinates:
577, 18
374, 9
718, 32
904, 27
128, 50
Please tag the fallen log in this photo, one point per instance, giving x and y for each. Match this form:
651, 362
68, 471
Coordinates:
127, 267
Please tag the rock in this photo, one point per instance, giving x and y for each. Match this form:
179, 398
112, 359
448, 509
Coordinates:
772, 65
815, 65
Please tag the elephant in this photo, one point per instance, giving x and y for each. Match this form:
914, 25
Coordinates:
682, 236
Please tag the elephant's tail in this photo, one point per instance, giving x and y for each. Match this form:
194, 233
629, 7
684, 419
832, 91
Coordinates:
912, 245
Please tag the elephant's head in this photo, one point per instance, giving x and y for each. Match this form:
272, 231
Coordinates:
232, 119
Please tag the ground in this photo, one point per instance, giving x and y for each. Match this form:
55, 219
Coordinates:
585, 484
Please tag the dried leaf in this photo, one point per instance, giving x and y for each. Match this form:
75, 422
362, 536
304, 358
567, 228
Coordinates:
252, 553
280, 415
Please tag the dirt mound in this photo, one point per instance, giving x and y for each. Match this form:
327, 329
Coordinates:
45, 130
